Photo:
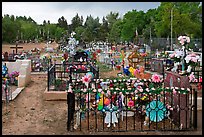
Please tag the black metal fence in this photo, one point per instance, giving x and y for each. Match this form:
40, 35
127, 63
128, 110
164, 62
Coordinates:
92, 109
59, 75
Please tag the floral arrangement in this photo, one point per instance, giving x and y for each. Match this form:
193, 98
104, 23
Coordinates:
183, 40
192, 59
132, 85
180, 58
126, 94
143, 54
176, 56
13, 77
79, 67
193, 79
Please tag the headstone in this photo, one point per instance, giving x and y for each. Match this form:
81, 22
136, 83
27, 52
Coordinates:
157, 65
179, 100
6, 56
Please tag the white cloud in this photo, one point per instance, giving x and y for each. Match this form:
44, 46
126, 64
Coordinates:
52, 11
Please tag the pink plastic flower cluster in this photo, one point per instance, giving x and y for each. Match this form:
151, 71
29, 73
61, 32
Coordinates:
156, 78
184, 39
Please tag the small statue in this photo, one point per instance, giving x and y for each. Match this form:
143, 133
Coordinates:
111, 114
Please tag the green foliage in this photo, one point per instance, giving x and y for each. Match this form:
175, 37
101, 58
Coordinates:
186, 19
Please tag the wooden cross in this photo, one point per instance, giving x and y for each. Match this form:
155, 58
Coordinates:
16, 47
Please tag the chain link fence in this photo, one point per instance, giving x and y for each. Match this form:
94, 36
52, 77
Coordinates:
165, 43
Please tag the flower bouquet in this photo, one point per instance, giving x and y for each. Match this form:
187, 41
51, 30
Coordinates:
13, 77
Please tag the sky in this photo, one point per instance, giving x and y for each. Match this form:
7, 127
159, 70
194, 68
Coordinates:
52, 11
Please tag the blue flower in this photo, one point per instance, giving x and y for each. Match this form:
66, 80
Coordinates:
126, 71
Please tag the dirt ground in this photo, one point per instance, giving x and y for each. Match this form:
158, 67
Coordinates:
26, 47
29, 114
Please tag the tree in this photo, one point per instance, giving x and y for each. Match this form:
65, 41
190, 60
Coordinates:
115, 33
92, 27
112, 17
76, 22
132, 21
62, 22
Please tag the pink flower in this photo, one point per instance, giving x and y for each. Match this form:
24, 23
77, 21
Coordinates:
83, 67
130, 103
141, 90
194, 59
174, 91
200, 79
171, 108
195, 80
155, 78
191, 77
171, 55
86, 79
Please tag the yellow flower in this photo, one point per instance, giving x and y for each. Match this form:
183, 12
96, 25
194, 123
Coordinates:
131, 69
143, 98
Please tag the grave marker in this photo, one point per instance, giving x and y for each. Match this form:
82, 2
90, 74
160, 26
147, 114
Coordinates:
16, 47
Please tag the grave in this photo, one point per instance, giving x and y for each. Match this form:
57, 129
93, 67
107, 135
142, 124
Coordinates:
134, 59
16, 47
24, 69
157, 65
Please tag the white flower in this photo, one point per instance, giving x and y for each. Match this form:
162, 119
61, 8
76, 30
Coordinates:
187, 58
187, 39
182, 88
180, 37
189, 69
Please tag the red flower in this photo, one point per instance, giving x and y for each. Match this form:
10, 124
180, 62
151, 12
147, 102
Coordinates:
83, 67
130, 103
111, 85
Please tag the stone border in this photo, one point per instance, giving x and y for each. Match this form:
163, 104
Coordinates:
54, 95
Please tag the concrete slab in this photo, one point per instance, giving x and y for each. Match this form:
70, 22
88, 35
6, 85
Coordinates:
16, 92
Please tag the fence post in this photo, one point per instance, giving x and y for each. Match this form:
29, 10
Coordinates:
71, 109
48, 79
195, 110
54, 74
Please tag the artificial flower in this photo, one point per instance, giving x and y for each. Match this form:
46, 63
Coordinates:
191, 77
155, 78
130, 103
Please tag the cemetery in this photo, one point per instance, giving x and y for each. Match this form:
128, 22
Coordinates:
150, 91
77, 82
